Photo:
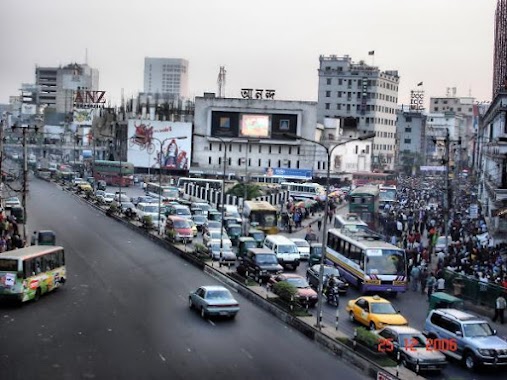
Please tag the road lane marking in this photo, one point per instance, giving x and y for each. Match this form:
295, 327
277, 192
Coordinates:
161, 357
211, 322
249, 356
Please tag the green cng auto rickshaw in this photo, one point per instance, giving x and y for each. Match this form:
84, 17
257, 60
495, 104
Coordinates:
258, 236
234, 232
441, 300
244, 244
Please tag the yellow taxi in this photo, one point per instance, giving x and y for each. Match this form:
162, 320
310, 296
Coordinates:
374, 312
84, 186
193, 226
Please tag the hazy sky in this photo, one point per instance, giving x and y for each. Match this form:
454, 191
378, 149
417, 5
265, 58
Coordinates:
271, 44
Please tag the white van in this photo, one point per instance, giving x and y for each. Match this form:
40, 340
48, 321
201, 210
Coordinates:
286, 250
232, 211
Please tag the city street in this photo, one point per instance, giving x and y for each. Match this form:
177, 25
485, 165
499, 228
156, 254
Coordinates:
413, 305
123, 314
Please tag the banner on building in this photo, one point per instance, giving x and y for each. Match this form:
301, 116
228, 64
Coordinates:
28, 109
144, 137
289, 173
432, 168
83, 116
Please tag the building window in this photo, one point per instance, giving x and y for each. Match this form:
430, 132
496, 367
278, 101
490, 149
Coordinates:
220, 147
288, 163
240, 147
290, 150
209, 160
249, 162
436, 109
260, 148
230, 148
229, 161
318, 165
340, 82
408, 130
239, 161
339, 107
297, 164
210, 147
327, 105
269, 163
408, 119
219, 160
459, 109
279, 149
339, 94
407, 141
279, 163
328, 94
299, 150
367, 149
357, 149
269, 151
249, 148
260, 162
328, 81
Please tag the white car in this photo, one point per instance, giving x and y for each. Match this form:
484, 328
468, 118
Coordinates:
303, 248
124, 198
108, 198
149, 209
215, 235
12, 202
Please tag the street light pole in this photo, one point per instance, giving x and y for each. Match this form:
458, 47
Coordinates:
329, 152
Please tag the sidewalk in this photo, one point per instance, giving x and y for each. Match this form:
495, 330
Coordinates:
312, 220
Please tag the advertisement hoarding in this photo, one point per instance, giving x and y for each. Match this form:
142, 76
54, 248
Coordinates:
83, 116
255, 125
289, 173
144, 138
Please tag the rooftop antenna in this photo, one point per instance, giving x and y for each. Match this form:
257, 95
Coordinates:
221, 82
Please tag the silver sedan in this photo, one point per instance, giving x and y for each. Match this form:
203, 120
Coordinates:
213, 301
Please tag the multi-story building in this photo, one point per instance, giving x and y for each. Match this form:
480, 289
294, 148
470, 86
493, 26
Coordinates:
440, 127
357, 90
166, 76
500, 54
259, 137
411, 132
57, 85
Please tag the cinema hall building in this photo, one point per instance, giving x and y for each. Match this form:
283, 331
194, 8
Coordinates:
253, 134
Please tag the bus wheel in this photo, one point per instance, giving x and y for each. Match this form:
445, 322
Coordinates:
37, 295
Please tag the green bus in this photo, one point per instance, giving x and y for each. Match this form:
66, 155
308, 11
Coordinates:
27, 273
364, 201
114, 173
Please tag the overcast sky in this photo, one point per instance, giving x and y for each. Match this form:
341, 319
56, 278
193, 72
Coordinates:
270, 44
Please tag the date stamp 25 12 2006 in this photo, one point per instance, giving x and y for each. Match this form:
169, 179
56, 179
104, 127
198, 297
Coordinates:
387, 345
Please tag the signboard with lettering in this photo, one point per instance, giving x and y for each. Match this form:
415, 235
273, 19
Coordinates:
90, 99
417, 100
289, 173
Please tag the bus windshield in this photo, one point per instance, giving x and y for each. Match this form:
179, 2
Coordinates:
385, 262
8, 265
172, 193
388, 195
265, 219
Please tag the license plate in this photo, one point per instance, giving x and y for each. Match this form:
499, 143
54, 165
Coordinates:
224, 313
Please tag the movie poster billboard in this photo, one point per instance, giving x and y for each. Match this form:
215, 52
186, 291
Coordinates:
144, 137
83, 116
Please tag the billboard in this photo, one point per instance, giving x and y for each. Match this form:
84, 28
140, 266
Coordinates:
83, 116
144, 137
289, 173
254, 125
28, 109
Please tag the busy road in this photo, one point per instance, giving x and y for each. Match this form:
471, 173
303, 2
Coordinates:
413, 305
123, 313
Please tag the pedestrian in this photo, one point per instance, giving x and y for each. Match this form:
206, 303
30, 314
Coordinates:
424, 278
415, 275
33, 240
441, 284
430, 284
319, 224
500, 306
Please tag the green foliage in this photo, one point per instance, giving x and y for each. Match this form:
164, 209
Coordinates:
113, 209
285, 291
368, 338
147, 222
252, 191
199, 248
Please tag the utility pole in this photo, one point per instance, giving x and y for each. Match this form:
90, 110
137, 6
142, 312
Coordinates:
2, 125
25, 181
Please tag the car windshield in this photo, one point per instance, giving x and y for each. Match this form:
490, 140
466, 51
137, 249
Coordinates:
108, 195
329, 271
302, 243
382, 308
212, 225
477, 330
199, 219
203, 206
181, 224
316, 251
298, 282
412, 340
152, 209
235, 230
287, 249
13, 200
267, 259
218, 294
182, 211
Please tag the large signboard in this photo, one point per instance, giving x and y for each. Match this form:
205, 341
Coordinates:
289, 173
144, 137
417, 100
83, 116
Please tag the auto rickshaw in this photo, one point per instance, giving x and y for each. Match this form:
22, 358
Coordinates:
441, 300
258, 236
46, 237
234, 232
244, 244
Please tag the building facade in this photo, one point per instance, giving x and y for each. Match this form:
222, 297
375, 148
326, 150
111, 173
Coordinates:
166, 76
357, 90
500, 51
411, 134
57, 85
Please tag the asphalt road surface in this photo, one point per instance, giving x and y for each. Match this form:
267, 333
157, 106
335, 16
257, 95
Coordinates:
123, 314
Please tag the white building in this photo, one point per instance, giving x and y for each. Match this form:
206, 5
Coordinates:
57, 85
256, 128
365, 93
437, 127
166, 76
411, 134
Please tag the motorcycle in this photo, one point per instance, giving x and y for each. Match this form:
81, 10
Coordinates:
332, 296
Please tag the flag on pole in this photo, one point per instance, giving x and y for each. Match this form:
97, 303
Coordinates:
372, 52
420, 84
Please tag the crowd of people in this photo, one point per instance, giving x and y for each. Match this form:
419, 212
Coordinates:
9, 233
416, 221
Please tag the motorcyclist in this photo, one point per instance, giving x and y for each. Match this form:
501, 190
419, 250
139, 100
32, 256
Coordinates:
330, 289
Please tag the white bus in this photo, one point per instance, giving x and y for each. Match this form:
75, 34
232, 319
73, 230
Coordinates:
366, 261
202, 182
167, 192
387, 195
349, 221
27, 273
307, 190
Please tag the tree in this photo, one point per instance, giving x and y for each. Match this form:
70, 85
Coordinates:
252, 191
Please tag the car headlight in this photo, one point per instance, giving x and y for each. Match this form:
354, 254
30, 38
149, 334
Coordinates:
486, 352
